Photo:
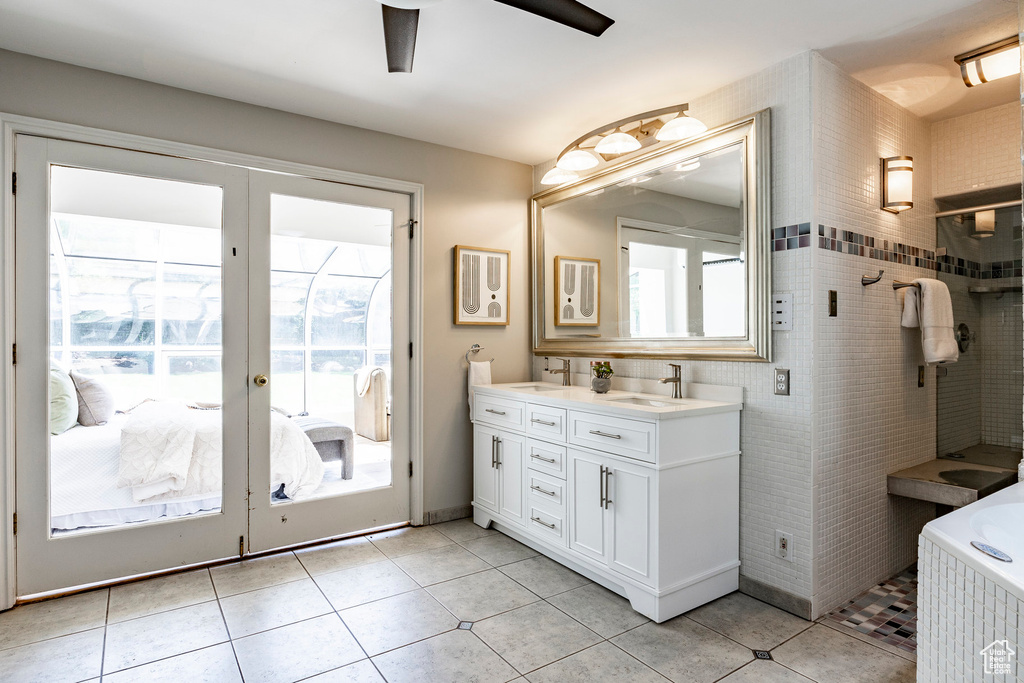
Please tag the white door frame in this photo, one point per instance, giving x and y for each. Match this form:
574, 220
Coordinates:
12, 125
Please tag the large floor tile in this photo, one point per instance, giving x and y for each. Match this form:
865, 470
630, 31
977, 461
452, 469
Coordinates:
599, 609
533, 636
76, 657
481, 595
147, 639
267, 608
339, 555
360, 672
454, 656
408, 540
761, 671
602, 663
160, 594
684, 651
498, 550
441, 564
51, 618
393, 622
749, 621
260, 572
297, 651
210, 665
365, 583
462, 530
544, 576
824, 654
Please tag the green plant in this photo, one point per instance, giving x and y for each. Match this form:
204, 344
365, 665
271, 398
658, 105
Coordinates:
602, 369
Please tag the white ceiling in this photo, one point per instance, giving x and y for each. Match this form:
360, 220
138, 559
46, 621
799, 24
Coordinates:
490, 78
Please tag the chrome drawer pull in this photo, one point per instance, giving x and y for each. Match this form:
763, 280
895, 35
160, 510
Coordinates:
544, 422
546, 493
607, 487
541, 521
541, 457
496, 412
494, 451
609, 436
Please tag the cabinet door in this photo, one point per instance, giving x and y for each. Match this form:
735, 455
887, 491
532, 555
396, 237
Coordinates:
586, 512
511, 451
485, 471
629, 510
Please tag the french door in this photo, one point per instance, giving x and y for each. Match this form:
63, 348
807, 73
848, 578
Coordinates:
195, 343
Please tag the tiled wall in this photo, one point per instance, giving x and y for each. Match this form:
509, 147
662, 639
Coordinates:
977, 151
959, 394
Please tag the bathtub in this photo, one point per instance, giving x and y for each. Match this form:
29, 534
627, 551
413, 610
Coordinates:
969, 602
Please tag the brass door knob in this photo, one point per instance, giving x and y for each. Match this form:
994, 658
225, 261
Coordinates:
261, 380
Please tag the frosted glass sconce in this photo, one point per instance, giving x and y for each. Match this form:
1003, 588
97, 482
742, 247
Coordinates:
897, 184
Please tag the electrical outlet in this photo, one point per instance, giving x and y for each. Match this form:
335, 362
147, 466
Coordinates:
781, 382
784, 545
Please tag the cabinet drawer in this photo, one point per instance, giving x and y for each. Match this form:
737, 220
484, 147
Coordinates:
499, 411
621, 436
545, 489
547, 523
546, 457
545, 422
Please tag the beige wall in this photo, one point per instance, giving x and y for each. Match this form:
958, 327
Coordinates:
469, 199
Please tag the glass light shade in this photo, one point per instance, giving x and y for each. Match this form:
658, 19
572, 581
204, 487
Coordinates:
680, 128
984, 224
617, 143
577, 160
992, 66
557, 176
897, 184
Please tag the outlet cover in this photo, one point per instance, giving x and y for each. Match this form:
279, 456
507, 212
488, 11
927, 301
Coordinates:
781, 382
782, 311
784, 545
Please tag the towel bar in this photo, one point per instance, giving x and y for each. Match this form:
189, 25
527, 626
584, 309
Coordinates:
896, 284
476, 348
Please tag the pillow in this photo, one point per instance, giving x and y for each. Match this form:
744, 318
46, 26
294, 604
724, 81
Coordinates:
95, 402
63, 401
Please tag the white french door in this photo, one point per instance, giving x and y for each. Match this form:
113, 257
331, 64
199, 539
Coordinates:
151, 291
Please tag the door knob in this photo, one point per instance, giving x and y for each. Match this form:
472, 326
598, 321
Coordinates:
261, 380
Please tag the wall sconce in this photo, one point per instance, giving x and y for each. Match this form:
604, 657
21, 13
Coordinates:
897, 184
984, 224
623, 137
990, 62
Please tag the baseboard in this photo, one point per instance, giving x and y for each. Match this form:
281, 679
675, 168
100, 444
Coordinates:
793, 604
447, 515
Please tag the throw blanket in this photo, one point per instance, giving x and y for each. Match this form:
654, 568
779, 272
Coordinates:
170, 451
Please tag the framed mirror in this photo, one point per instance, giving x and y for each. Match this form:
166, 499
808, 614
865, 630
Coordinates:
666, 254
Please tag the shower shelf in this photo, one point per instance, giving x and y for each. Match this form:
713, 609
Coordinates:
999, 289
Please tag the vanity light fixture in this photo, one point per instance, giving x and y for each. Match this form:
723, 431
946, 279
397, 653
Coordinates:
681, 127
557, 176
617, 143
897, 184
988, 63
577, 160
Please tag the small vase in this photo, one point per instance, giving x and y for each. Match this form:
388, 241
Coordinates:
601, 385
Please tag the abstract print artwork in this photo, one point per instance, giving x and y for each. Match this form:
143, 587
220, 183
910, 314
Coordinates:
578, 287
481, 286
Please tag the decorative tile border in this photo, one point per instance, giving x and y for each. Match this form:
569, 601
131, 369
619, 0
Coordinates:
791, 237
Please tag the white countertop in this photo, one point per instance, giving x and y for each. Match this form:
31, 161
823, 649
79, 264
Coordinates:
660, 407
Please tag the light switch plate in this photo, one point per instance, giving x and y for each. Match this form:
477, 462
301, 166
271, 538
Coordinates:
781, 382
782, 311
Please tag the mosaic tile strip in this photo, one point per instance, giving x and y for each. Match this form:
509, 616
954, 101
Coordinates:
887, 611
791, 237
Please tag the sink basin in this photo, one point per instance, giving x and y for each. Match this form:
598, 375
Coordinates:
538, 387
650, 402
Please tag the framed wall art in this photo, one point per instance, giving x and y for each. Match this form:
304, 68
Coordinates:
481, 286
577, 291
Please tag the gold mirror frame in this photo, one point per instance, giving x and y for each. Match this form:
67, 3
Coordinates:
756, 346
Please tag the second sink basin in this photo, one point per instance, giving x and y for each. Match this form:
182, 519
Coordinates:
538, 387
651, 402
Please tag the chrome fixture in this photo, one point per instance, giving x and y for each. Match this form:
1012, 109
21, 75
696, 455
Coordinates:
676, 380
866, 280
897, 184
476, 348
623, 137
896, 284
996, 60
565, 372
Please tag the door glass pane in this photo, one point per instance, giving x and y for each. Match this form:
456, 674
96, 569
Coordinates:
135, 346
330, 348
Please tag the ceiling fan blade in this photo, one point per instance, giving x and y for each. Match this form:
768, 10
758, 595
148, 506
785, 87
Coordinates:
568, 12
400, 37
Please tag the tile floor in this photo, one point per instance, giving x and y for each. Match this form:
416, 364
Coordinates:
887, 612
451, 602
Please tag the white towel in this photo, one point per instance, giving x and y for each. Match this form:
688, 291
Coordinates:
479, 373
911, 302
935, 315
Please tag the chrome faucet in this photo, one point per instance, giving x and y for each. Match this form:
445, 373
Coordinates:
565, 372
676, 380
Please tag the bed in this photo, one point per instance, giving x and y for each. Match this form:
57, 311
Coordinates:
162, 460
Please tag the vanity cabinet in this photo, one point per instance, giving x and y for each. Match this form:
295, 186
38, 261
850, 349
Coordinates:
640, 494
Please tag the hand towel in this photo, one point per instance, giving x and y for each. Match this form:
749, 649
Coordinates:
479, 373
911, 303
935, 313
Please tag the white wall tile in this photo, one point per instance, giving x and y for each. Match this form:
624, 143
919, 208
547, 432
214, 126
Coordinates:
977, 151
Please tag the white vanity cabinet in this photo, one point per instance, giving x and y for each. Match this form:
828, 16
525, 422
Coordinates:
639, 493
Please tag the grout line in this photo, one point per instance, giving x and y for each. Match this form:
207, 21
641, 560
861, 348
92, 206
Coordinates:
103, 648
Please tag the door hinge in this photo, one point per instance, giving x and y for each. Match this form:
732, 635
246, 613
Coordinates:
14, 354
410, 349
410, 468
15, 523
241, 546
14, 183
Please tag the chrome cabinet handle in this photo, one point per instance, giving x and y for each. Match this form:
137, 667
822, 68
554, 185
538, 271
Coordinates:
496, 412
546, 493
494, 451
607, 487
499, 450
541, 521
544, 422
541, 457
605, 434
601, 483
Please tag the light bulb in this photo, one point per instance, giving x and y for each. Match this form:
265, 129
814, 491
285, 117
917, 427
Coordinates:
617, 143
577, 160
557, 176
680, 128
